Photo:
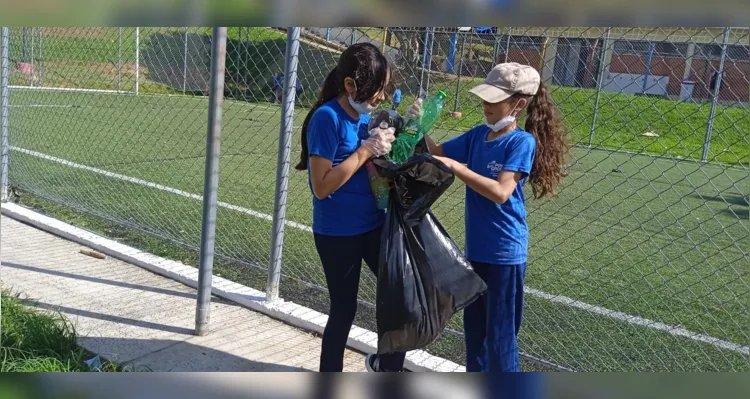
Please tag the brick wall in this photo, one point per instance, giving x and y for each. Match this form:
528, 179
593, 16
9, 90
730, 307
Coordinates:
734, 87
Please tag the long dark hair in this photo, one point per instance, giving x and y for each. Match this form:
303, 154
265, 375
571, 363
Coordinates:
543, 121
362, 62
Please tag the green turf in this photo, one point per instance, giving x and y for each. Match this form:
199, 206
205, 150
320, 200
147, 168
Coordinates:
33, 341
554, 332
652, 237
621, 121
87, 58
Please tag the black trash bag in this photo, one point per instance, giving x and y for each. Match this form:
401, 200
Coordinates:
416, 183
423, 277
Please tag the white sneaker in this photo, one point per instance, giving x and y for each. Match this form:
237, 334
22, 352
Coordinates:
371, 363
373, 366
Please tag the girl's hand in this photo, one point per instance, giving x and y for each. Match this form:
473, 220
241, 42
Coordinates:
450, 163
379, 142
497, 191
414, 111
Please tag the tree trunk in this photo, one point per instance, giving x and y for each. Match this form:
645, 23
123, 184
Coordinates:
411, 43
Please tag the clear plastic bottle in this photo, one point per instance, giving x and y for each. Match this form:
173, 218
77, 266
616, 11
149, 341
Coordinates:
414, 130
380, 186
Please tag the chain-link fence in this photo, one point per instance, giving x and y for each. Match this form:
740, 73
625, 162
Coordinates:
640, 262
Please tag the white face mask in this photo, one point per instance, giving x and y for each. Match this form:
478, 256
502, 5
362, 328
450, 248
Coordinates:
363, 108
502, 123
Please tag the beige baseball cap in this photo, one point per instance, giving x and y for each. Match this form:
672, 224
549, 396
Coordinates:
506, 79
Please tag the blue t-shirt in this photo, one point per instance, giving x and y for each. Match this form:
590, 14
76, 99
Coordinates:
350, 210
278, 81
397, 96
496, 234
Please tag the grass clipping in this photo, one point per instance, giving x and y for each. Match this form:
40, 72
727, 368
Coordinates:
32, 341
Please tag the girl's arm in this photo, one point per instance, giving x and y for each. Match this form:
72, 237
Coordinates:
434, 148
326, 178
517, 164
497, 191
322, 140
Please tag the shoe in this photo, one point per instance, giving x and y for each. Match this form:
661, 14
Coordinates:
371, 363
373, 366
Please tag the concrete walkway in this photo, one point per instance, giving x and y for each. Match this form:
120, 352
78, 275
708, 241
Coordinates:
132, 316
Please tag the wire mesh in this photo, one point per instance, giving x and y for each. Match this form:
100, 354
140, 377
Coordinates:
638, 263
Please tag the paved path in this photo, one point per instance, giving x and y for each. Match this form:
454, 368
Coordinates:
132, 316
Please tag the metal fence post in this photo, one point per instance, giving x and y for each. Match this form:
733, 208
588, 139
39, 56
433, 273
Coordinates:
33, 72
119, 59
450, 61
429, 49
647, 72
137, 59
211, 182
4, 71
507, 46
40, 75
282, 165
715, 98
424, 60
184, 63
495, 50
599, 77
460, 67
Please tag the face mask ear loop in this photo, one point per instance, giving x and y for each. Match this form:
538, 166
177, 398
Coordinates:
514, 115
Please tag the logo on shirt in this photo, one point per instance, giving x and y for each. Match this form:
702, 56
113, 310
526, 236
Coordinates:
495, 168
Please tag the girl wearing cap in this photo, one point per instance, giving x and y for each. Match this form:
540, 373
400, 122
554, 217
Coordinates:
494, 160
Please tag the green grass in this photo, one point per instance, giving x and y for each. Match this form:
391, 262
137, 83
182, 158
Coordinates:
87, 58
621, 121
33, 341
652, 237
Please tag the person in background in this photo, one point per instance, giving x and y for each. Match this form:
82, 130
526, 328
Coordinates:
396, 98
277, 86
298, 91
715, 80
494, 160
346, 222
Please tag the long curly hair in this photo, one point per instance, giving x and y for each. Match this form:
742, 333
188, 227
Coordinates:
552, 148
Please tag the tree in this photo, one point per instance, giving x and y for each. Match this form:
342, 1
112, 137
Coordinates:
411, 41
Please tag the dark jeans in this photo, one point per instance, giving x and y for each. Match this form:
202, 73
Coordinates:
342, 262
492, 322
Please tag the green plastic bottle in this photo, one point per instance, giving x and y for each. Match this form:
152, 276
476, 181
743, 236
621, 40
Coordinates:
414, 130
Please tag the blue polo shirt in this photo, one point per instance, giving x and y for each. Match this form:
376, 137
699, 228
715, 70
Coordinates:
350, 210
496, 234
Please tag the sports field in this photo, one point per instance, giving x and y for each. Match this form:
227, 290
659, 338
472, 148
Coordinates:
639, 264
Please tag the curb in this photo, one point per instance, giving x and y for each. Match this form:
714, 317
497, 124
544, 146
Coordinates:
360, 339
